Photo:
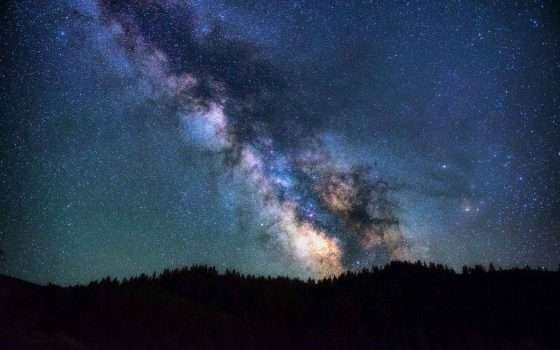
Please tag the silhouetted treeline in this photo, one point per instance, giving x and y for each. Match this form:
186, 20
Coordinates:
399, 306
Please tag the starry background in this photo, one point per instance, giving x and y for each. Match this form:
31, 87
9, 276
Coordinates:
455, 104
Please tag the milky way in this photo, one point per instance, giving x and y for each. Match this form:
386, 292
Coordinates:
292, 191
302, 139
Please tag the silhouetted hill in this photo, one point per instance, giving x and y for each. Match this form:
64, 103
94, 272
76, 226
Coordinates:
400, 306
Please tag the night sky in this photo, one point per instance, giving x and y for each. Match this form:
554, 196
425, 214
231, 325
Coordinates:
299, 138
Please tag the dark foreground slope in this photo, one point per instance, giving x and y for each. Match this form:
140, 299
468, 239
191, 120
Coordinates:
402, 306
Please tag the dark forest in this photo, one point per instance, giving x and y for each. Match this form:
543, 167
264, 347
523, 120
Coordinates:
398, 306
